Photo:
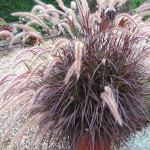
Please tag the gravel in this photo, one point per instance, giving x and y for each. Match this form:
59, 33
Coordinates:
7, 57
139, 141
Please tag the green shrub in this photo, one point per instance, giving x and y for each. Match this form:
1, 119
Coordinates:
136, 3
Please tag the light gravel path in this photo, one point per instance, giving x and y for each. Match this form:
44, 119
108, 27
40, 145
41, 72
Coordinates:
7, 57
140, 141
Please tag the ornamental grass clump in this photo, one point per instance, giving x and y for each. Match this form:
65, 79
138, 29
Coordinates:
91, 90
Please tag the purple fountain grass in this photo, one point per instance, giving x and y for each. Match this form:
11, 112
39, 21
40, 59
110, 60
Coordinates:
37, 8
32, 23
67, 27
70, 72
108, 97
94, 84
63, 96
6, 33
78, 57
69, 12
46, 6
27, 28
59, 43
41, 3
26, 14
85, 7
33, 50
29, 34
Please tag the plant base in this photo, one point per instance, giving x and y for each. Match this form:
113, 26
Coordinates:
86, 144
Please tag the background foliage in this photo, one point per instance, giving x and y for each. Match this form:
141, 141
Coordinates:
9, 6
136, 3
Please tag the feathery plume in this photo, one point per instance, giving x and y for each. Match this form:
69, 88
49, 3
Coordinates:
122, 30
26, 14
109, 98
100, 6
27, 28
67, 27
40, 3
55, 11
143, 7
38, 56
11, 88
6, 78
27, 50
23, 97
142, 14
36, 94
34, 71
50, 66
55, 14
93, 19
70, 12
22, 34
78, 56
44, 16
85, 6
22, 61
58, 44
60, 28
70, 72
5, 33
125, 16
46, 6
37, 8
30, 23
